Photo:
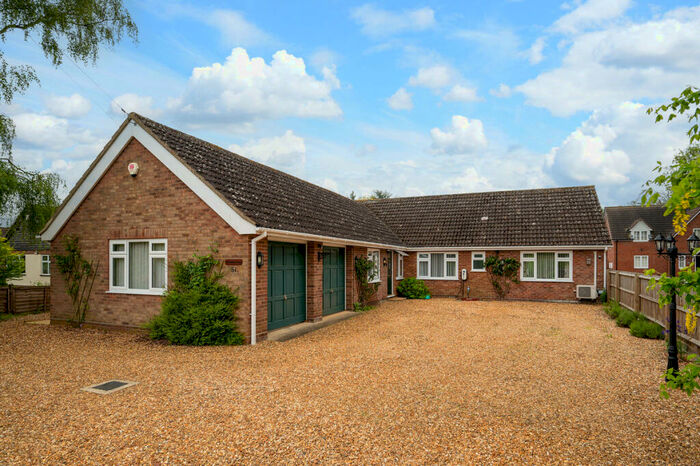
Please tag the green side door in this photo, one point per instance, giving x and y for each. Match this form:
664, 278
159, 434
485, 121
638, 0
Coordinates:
333, 280
286, 284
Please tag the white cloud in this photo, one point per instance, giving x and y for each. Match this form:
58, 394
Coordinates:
376, 22
401, 100
284, 152
616, 148
649, 60
73, 106
330, 183
503, 91
433, 77
244, 89
469, 180
464, 136
135, 103
49, 132
535, 52
460, 93
590, 14
235, 29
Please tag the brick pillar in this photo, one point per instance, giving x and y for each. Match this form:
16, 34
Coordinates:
261, 293
314, 283
349, 277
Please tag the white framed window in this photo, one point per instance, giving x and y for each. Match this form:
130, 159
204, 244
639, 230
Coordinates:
478, 261
45, 264
437, 265
681, 262
546, 266
640, 235
641, 262
374, 256
399, 267
138, 266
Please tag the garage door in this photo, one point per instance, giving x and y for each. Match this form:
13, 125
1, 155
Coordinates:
333, 280
286, 284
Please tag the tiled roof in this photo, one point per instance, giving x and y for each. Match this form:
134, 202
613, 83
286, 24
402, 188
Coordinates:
537, 217
20, 240
621, 218
271, 198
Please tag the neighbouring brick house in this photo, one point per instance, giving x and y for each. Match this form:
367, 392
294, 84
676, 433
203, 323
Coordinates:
632, 230
155, 195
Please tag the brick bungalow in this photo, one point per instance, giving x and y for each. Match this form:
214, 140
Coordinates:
632, 230
155, 195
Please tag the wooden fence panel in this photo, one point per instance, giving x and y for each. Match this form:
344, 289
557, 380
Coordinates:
630, 290
17, 299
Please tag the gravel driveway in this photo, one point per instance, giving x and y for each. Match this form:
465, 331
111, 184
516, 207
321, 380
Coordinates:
410, 381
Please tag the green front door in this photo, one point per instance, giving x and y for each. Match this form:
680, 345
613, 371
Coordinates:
333, 280
286, 284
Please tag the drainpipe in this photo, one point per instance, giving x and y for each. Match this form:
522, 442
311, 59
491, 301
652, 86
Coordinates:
595, 271
605, 269
253, 287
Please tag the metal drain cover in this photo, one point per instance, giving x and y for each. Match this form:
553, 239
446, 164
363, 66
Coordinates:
109, 387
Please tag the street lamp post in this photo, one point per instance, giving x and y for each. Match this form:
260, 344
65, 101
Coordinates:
667, 247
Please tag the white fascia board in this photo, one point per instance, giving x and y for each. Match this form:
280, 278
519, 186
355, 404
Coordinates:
506, 248
285, 235
184, 173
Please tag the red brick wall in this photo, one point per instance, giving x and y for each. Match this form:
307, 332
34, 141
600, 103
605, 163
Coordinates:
622, 256
154, 204
314, 282
261, 293
480, 286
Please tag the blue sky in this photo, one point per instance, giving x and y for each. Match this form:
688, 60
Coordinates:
414, 98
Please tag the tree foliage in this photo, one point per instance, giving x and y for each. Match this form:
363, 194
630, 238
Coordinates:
79, 275
11, 263
502, 272
74, 27
77, 28
682, 180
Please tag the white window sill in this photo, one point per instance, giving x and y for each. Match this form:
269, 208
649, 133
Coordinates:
45, 275
137, 292
438, 278
478, 270
375, 281
399, 278
547, 280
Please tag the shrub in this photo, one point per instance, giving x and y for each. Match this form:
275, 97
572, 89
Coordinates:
412, 288
502, 272
603, 297
613, 309
644, 328
359, 307
365, 272
625, 318
197, 310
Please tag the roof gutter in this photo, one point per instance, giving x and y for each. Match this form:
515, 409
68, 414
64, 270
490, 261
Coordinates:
253, 287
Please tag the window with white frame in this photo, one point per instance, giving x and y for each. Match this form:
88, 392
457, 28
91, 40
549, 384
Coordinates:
399, 267
545, 266
640, 235
641, 262
375, 274
437, 265
478, 261
681, 262
138, 266
45, 265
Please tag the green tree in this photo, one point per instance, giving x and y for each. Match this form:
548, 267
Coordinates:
11, 263
682, 182
77, 28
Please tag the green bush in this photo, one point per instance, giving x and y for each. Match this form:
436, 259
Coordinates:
613, 309
412, 288
644, 328
625, 318
197, 310
603, 297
